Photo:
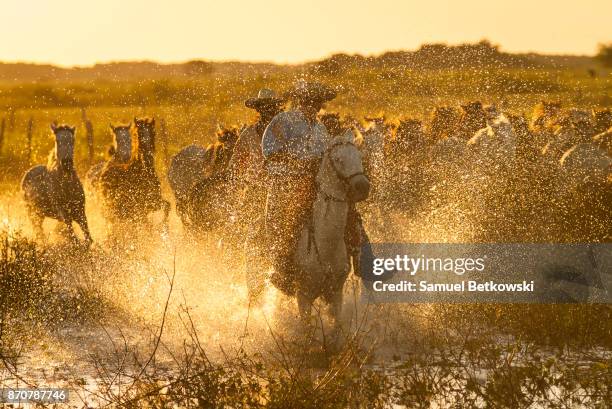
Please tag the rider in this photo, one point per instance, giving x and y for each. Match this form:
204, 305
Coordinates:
247, 162
293, 145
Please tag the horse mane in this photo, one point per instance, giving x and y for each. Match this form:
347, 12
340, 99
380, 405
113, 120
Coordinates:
139, 151
543, 112
52, 162
227, 135
110, 151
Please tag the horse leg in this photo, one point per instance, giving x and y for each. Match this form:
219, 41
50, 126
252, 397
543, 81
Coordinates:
304, 307
37, 224
70, 231
82, 222
334, 304
166, 208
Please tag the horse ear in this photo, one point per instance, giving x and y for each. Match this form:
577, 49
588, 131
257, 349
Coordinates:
53, 126
72, 129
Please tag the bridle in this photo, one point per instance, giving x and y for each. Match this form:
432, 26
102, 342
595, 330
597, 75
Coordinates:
345, 179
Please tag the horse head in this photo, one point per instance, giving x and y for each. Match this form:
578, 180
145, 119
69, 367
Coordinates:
143, 129
227, 136
122, 142
64, 145
473, 118
341, 176
332, 123
409, 132
544, 114
602, 119
444, 121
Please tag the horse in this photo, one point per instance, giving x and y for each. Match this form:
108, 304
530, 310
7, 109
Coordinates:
54, 190
604, 141
602, 120
320, 257
473, 118
572, 127
495, 143
585, 190
132, 190
443, 123
375, 141
199, 179
544, 113
332, 122
407, 158
119, 152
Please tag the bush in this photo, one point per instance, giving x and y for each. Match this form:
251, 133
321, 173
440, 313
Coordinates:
604, 55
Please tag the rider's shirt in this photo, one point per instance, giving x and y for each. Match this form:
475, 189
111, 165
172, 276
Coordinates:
291, 133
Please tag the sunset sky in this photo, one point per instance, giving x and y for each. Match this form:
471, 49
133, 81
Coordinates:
81, 32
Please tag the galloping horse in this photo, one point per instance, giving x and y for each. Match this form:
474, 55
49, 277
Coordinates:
120, 151
54, 190
132, 190
199, 180
321, 257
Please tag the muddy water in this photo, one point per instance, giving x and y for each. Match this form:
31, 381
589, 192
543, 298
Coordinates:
131, 270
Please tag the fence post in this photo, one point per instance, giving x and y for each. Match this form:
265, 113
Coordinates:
29, 130
2, 127
163, 133
90, 140
11, 116
89, 133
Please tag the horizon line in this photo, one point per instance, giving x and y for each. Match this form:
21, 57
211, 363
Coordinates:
281, 63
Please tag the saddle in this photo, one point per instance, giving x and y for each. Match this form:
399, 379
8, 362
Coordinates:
284, 270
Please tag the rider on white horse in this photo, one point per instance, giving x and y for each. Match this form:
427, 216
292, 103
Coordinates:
293, 144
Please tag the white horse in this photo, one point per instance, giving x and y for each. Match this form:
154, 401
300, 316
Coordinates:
495, 145
321, 257
54, 190
584, 163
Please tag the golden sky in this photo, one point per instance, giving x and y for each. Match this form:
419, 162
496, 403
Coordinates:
83, 32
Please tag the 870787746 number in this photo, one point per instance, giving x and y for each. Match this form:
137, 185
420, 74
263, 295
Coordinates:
38, 395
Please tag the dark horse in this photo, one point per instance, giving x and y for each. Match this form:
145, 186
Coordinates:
54, 190
132, 190
119, 151
199, 177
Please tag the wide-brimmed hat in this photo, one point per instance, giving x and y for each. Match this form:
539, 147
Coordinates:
311, 91
265, 97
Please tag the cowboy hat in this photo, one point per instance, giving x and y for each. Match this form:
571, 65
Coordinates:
265, 97
311, 91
